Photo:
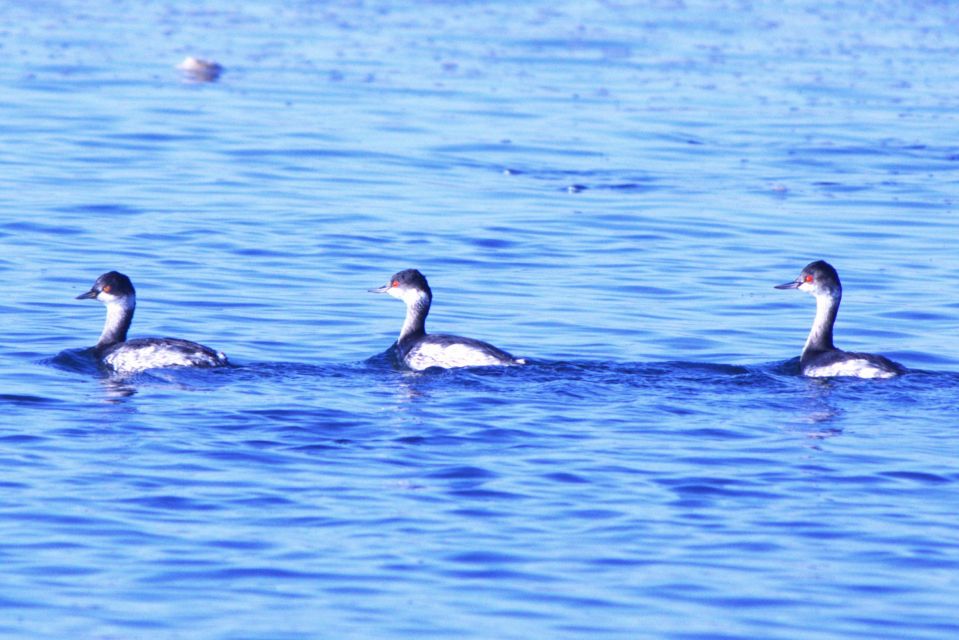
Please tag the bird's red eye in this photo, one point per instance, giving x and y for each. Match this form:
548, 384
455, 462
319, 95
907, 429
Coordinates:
106, 288
808, 278
396, 283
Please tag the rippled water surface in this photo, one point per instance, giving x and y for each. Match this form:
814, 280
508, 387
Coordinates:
608, 189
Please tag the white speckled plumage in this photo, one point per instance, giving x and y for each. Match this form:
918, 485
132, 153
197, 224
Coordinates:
454, 351
856, 367
153, 353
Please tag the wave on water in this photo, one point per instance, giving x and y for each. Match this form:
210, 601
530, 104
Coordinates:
79, 360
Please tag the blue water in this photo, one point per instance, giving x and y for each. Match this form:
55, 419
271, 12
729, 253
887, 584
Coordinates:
610, 190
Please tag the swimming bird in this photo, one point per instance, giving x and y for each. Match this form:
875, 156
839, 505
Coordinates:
420, 350
114, 351
820, 358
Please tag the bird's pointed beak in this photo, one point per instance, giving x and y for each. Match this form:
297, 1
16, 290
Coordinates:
382, 289
92, 293
790, 285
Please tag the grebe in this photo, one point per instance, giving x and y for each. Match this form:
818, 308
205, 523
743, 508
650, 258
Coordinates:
820, 358
420, 350
129, 356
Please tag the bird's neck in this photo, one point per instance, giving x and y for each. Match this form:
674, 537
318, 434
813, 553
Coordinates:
415, 323
820, 336
119, 317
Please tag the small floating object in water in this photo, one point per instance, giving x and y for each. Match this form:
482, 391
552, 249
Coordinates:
200, 70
